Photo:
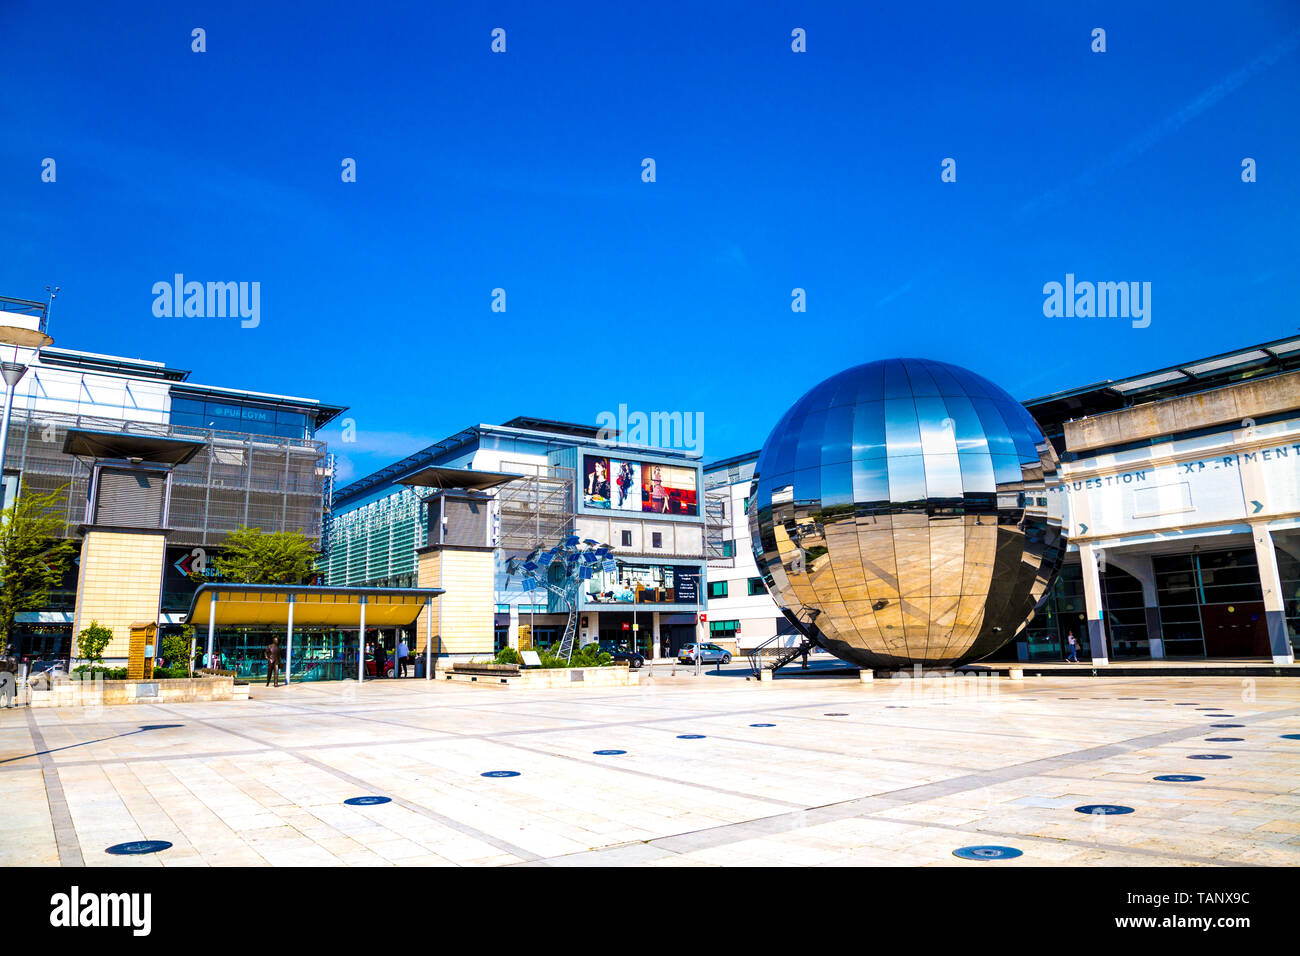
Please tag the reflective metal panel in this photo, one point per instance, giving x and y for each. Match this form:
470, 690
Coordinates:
897, 514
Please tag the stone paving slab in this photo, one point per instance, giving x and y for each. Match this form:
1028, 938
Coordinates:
911, 771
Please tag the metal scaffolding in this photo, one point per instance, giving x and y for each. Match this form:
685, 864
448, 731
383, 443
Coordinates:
717, 520
235, 479
535, 508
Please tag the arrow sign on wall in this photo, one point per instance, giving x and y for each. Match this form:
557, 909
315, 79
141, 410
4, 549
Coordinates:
1083, 528
1258, 507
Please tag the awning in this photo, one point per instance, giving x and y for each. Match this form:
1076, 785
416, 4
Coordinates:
443, 479
252, 605
127, 445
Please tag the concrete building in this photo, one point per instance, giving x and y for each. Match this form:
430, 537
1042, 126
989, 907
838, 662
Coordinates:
741, 614
543, 480
86, 425
1182, 504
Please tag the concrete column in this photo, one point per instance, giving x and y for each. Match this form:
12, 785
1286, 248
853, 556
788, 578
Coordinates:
512, 634
1271, 584
1093, 603
212, 627
288, 644
1140, 566
428, 639
361, 647
655, 635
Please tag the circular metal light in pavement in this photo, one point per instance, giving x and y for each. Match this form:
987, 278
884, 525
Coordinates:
366, 801
1103, 809
987, 853
1179, 777
138, 847
500, 773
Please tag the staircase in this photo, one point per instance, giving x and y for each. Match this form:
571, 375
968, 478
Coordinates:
755, 654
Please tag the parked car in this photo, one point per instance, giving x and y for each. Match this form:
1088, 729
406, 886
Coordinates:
370, 666
634, 659
708, 654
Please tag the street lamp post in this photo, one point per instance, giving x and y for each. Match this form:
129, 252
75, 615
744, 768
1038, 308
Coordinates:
22, 323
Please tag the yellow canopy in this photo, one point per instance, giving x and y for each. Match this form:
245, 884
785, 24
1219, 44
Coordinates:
251, 605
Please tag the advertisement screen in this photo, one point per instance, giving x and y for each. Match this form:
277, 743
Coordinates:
667, 490
645, 584
622, 484
626, 489
595, 482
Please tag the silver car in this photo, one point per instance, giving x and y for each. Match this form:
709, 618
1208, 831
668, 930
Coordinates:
708, 654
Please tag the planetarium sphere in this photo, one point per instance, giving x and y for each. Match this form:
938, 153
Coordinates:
901, 513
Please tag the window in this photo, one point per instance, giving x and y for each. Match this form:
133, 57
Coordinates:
656, 539
721, 630
717, 589
729, 549
756, 587
746, 506
627, 539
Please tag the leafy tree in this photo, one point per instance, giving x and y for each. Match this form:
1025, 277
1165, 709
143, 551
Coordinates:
33, 555
92, 641
254, 556
176, 648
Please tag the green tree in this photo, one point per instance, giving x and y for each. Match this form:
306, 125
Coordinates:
254, 556
176, 649
34, 555
92, 641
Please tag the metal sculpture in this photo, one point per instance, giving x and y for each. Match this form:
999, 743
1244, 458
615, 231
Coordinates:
902, 512
577, 558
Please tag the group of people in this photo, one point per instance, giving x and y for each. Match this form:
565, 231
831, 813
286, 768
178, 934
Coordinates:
274, 655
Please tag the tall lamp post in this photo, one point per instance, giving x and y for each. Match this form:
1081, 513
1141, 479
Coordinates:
22, 324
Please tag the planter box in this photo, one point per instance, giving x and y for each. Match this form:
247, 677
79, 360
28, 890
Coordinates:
537, 678
75, 693
490, 670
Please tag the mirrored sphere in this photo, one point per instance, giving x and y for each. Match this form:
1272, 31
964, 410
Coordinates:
900, 514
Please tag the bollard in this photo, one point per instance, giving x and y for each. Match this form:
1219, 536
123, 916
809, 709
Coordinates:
1015, 673
765, 674
866, 676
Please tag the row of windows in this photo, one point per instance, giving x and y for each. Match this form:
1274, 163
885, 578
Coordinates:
722, 629
718, 589
226, 416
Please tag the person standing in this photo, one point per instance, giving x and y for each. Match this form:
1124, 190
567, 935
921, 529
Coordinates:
403, 655
1073, 656
273, 662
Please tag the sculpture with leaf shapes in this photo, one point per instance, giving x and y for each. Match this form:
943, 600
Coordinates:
578, 558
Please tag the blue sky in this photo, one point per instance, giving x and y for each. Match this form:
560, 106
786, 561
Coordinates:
522, 171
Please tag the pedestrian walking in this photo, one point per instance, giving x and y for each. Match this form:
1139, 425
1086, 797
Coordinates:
403, 656
8, 681
273, 662
1073, 656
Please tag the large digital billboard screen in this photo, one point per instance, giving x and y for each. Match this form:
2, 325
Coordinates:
623, 484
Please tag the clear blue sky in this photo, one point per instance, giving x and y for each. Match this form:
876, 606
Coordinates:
775, 170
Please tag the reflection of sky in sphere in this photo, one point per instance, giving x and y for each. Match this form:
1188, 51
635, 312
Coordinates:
903, 482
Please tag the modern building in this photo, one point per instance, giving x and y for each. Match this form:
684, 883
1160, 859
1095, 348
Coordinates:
540, 480
87, 426
1181, 492
1182, 505
741, 614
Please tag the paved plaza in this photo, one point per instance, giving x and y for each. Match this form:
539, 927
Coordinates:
710, 770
